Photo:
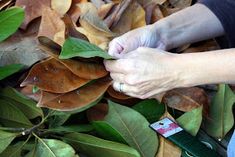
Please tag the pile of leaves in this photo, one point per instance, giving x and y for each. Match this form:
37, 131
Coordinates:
56, 97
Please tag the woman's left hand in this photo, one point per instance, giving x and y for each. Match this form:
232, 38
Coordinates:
145, 72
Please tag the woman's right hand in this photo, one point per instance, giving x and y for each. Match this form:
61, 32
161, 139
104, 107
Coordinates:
147, 36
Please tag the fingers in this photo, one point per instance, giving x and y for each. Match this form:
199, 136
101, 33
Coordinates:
123, 66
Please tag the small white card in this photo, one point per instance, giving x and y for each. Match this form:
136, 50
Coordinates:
166, 127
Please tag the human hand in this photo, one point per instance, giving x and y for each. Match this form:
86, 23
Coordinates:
148, 36
145, 72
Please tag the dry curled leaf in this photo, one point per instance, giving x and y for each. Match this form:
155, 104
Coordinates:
186, 99
4, 3
180, 3
104, 10
28, 91
91, 22
86, 70
50, 75
33, 9
52, 26
117, 95
79, 99
61, 6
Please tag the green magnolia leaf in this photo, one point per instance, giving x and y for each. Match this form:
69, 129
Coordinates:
13, 150
191, 121
11, 116
221, 119
106, 131
134, 129
72, 128
58, 120
151, 109
74, 47
5, 139
96, 147
26, 105
9, 70
10, 20
53, 148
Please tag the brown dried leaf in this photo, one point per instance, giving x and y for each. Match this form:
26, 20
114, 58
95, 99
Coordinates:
180, 3
61, 6
133, 17
209, 45
117, 95
97, 112
156, 14
74, 11
52, 26
115, 15
28, 91
52, 76
186, 99
91, 22
97, 3
104, 10
79, 99
33, 9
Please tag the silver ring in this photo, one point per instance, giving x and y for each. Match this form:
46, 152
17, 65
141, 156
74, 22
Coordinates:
121, 87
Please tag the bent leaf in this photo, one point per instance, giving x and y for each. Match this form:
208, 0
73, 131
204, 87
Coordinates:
93, 146
5, 139
11, 116
85, 70
33, 9
133, 127
61, 6
26, 105
79, 99
10, 20
9, 70
221, 119
53, 148
52, 26
80, 48
191, 121
52, 76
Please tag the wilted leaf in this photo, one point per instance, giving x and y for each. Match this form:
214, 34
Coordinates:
74, 11
10, 20
33, 9
53, 148
50, 75
5, 139
133, 17
104, 10
220, 119
11, 116
79, 48
186, 99
9, 70
27, 106
28, 92
52, 26
86, 70
91, 22
61, 6
209, 45
151, 109
133, 127
79, 99
21, 48
180, 3
117, 95
191, 121
93, 146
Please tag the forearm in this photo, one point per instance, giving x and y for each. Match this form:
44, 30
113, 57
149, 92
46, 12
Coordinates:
206, 68
193, 24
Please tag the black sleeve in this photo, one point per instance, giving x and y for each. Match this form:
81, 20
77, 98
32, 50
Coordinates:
225, 11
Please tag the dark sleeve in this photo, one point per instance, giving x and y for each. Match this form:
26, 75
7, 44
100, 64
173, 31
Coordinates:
225, 11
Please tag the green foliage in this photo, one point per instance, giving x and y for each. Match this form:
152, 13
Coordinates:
5, 139
74, 47
191, 121
151, 109
93, 146
10, 20
221, 120
8, 70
